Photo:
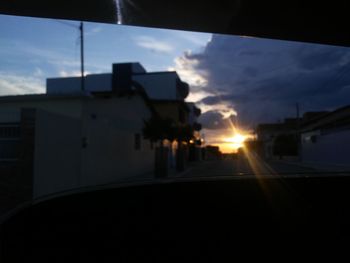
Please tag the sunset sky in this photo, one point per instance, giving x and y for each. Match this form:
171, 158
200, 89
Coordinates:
234, 80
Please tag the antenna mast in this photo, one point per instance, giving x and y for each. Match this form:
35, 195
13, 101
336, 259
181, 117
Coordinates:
82, 55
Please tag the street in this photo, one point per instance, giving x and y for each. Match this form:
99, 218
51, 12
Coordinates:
249, 165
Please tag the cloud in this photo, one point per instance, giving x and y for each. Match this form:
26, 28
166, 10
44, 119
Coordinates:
187, 68
195, 38
198, 95
56, 61
318, 57
224, 108
93, 31
11, 84
73, 73
153, 44
262, 79
214, 120
38, 72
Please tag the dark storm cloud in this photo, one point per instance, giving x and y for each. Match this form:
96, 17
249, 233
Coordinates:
264, 79
250, 72
213, 120
211, 100
250, 53
318, 57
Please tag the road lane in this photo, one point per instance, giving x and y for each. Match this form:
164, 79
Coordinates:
249, 165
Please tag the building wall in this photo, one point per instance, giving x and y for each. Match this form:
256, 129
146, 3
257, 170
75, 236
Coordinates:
330, 150
110, 127
72, 85
67, 107
57, 154
43, 145
10, 115
94, 141
16, 161
267, 139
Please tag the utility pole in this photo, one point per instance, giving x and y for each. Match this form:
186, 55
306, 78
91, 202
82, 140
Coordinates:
82, 55
297, 108
298, 117
298, 131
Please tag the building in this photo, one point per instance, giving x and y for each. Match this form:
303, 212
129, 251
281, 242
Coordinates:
71, 138
165, 90
67, 139
195, 146
325, 140
212, 153
77, 141
278, 140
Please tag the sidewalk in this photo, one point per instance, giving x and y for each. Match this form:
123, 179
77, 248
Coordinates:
319, 167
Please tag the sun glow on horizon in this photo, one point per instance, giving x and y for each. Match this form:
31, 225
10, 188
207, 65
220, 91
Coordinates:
236, 141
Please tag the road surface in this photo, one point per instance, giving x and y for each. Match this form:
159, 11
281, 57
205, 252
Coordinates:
250, 165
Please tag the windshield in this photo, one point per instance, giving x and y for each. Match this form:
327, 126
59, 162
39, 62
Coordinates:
157, 103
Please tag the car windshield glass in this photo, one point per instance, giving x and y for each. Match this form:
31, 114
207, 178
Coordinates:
157, 103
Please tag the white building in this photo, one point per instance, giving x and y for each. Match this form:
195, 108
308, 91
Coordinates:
326, 141
165, 85
80, 139
70, 138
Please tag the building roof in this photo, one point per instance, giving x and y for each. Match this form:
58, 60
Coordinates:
31, 97
42, 97
335, 119
288, 124
157, 72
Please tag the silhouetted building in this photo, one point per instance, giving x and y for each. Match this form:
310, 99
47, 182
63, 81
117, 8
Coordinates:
276, 140
195, 145
212, 152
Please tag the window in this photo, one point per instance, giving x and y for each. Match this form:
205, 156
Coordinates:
9, 131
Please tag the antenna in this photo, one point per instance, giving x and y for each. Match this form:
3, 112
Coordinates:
82, 55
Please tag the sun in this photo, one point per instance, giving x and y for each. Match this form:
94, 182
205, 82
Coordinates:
236, 141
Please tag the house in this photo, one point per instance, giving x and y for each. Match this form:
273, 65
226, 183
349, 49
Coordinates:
164, 85
165, 93
195, 146
325, 140
165, 90
278, 140
67, 139
168, 92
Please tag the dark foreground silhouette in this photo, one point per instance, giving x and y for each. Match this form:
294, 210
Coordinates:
202, 220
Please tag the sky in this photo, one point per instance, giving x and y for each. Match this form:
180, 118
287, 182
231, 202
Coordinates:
235, 80
34, 49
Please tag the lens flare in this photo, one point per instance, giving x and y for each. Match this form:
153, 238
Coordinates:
236, 141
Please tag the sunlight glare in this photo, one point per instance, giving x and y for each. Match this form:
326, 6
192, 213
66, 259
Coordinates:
237, 141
